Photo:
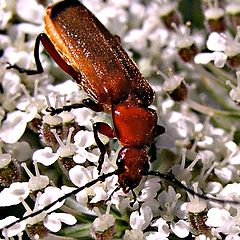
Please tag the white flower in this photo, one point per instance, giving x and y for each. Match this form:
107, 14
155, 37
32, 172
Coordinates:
37, 182
51, 221
141, 220
15, 229
14, 126
66, 149
50, 195
217, 217
216, 42
150, 187
30, 103
54, 221
6, 13
99, 191
103, 222
218, 58
134, 234
180, 228
13, 195
235, 92
162, 232
231, 191
5, 159
83, 140
223, 47
180, 171
30, 10
45, 156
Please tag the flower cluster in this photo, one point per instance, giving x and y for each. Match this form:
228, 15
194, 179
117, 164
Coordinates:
196, 78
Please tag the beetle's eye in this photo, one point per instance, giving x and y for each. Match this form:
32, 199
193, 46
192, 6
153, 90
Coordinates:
120, 163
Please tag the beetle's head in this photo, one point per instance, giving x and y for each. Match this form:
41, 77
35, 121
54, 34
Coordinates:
132, 164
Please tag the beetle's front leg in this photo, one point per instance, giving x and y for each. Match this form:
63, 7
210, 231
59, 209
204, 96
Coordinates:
88, 103
105, 129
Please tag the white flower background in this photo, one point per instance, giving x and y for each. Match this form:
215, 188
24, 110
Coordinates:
44, 157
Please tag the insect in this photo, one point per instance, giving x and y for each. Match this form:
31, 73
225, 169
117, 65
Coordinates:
87, 51
92, 56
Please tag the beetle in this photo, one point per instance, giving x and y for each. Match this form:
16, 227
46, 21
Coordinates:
92, 56
95, 59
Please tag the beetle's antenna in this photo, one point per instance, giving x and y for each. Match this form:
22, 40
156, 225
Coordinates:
101, 178
173, 180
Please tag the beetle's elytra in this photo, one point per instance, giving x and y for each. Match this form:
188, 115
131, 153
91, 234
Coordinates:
102, 67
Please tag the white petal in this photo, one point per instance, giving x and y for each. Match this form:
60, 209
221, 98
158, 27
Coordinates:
80, 156
203, 58
103, 222
134, 234
82, 197
219, 59
217, 217
83, 116
224, 173
30, 10
45, 156
16, 150
181, 228
100, 194
216, 42
230, 189
79, 175
13, 127
50, 195
84, 139
142, 220
162, 226
13, 194
15, 229
234, 158
64, 217
213, 187
52, 223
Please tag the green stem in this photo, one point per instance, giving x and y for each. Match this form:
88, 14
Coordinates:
209, 75
220, 73
79, 231
212, 111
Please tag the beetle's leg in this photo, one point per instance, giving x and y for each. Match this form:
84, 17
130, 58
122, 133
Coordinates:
37, 60
88, 103
1, 89
49, 46
134, 199
117, 38
115, 190
159, 130
105, 129
152, 149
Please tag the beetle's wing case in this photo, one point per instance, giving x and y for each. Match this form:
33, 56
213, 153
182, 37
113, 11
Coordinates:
107, 73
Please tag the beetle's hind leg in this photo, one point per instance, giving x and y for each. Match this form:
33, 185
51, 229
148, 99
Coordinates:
50, 48
36, 57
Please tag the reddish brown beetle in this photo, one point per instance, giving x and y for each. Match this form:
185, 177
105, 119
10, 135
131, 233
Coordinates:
88, 52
